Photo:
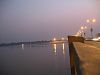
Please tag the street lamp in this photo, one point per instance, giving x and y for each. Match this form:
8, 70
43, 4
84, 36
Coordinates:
91, 29
83, 28
79, 33
54, 39
62, 39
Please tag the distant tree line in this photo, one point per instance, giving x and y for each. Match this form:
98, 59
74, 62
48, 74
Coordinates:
19, 43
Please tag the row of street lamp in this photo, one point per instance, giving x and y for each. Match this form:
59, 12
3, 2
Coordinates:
83, 28
91, 21
81, 31
54, 39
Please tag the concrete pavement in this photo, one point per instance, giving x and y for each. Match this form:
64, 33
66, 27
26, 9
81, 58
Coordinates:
89, 56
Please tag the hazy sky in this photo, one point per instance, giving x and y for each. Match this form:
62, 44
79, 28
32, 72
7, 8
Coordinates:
31, 20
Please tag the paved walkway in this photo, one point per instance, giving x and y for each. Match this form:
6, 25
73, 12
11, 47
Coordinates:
89, 55
93, 43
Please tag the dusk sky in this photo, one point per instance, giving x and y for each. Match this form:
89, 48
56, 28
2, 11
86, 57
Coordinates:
32, 20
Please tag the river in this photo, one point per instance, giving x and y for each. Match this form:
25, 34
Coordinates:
35, 59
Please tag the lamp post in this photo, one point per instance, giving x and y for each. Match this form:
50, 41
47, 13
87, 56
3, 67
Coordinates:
54, 39
79, 33
91, 29
83, 28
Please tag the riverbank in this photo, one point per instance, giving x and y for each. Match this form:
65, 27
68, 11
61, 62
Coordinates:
19, 43
85, 58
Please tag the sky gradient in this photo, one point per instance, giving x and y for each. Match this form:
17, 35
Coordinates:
32, 20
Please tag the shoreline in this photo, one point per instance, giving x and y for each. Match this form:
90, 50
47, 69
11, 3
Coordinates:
19, 43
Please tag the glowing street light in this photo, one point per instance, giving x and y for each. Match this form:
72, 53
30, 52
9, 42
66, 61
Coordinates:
94, 20
79, 33
54, 39
91, 21
62, 38
83, 28
87, 20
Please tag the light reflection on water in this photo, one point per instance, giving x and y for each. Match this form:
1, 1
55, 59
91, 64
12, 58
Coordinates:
22, 46
35, 59
55, 48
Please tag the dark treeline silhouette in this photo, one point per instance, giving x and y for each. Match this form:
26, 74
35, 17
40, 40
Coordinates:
19, 43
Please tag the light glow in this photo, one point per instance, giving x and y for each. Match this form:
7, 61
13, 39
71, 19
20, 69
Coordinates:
91, 20
54, 39
63, 46
87, 20
96, 39
85, 27
94, 20
55, 47
82, 27
22, 46
62, 38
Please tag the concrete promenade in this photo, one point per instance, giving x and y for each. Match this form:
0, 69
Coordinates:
89, 57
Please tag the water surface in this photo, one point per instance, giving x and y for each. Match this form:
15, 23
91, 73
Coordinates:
35, 59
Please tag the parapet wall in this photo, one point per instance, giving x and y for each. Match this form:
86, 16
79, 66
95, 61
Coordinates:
74, 60
84, 57
75, 39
